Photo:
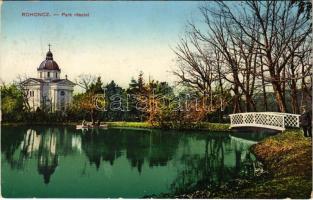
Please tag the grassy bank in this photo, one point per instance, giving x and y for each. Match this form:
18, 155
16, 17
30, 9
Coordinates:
198, 126
287, 160
129, 124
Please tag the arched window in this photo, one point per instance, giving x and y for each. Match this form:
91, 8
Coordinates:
48, 74
62, 93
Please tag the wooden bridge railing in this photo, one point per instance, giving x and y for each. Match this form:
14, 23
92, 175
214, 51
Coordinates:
271, 120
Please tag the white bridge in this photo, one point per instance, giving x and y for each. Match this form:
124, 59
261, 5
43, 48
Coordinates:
270, 120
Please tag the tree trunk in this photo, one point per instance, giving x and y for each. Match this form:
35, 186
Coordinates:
236, 100
294, 99
279, 96
92, 117
263, 88
250, 105
294, 93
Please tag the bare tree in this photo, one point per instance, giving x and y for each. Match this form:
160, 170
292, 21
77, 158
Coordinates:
85, 80
20, 79
280, 23
195, 66
252, 45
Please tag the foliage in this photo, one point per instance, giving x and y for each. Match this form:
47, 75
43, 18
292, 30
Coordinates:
115, 97
11, 103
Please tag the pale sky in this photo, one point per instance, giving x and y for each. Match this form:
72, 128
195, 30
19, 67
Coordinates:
116, 41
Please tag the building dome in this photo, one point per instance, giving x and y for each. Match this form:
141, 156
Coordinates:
49, 55
49, 63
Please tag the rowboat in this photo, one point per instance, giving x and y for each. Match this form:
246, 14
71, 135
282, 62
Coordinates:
90, 126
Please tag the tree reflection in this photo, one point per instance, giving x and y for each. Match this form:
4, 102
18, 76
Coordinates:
10, 141
101, 146
163, 146
139, 146
137, 149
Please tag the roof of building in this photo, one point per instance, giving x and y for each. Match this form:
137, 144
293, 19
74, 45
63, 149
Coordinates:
57, 81
33, 79
62, 80
49, 63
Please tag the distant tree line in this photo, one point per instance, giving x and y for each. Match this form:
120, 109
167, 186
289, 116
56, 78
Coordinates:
153, 101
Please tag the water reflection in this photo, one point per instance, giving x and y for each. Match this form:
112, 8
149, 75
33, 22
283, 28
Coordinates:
47, 155
138, 145
44, 145
30, 143
197, 159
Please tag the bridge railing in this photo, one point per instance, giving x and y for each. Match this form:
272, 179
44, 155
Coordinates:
271, 120
292, 120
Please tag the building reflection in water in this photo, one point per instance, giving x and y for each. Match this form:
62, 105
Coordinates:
30, 143
77, 143
47, 155
44, 145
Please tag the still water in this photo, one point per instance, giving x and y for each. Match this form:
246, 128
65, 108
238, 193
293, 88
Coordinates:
64, 162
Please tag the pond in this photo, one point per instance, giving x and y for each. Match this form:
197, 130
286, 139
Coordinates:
129, 163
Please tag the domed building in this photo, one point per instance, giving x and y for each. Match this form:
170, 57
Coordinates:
48, 91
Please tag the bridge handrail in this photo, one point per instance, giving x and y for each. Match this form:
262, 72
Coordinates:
277, 113
273, 120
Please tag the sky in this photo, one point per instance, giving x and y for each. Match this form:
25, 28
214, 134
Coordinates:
116, 41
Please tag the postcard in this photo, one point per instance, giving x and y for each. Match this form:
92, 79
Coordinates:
156, 99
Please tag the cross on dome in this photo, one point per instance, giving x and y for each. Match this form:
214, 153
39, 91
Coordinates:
49, 63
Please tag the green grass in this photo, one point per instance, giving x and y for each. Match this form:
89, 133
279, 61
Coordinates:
130, 124
214, 126
196, 126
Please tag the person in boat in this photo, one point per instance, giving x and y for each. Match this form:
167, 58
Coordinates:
306, 122
84, 123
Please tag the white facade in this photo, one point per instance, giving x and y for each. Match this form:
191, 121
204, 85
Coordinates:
48, 74
48, 91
